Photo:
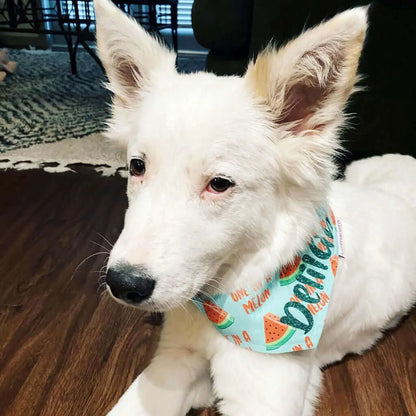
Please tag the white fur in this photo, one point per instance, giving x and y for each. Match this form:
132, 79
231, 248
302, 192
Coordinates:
274, 133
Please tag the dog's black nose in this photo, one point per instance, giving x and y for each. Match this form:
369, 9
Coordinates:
129, 283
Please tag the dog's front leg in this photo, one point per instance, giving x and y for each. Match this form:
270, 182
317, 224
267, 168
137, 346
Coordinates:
249, 383
164, 388
176, 379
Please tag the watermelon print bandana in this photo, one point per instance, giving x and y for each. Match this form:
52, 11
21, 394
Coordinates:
284, 312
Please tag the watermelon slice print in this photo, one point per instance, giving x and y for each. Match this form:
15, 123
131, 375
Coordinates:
219, 317
334, 264
289, 272
276, 332
332, 216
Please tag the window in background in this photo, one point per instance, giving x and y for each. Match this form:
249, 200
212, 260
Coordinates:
186, 41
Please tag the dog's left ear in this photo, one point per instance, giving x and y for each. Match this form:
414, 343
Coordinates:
128, 53
307, 82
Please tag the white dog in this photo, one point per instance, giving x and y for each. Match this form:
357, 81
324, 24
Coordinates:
230, 182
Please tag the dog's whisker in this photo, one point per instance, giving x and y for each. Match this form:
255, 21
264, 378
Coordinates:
100, 245
220, 285
103, 267
107, 241
106, 262
101, 288
100, 272
87, 258
102, 279
215, 287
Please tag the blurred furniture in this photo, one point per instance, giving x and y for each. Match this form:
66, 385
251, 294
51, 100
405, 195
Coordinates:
383, 115
75, 20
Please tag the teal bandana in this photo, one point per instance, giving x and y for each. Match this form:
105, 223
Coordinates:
284, 312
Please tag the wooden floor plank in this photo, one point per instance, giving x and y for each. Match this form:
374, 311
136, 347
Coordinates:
66, 349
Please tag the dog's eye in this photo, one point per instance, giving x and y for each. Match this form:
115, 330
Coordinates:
137, 167
218, 185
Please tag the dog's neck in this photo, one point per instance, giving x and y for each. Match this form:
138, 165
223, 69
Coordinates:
291, 233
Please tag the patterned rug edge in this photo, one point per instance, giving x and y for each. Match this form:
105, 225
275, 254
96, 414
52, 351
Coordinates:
56, 157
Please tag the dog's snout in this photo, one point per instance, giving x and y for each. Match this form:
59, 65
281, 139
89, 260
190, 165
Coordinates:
129, 283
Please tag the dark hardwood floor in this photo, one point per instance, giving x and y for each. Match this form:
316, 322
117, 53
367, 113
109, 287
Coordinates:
66, 349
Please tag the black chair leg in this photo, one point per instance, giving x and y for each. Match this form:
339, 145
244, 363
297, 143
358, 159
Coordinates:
174, 26
92, 53
72, 50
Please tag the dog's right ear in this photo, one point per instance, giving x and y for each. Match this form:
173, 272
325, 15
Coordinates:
128, 53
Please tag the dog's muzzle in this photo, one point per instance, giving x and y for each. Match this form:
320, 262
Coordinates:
130, 283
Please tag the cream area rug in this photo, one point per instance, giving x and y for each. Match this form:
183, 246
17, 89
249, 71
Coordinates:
94, 150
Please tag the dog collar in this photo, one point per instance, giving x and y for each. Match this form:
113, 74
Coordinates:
284, 312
